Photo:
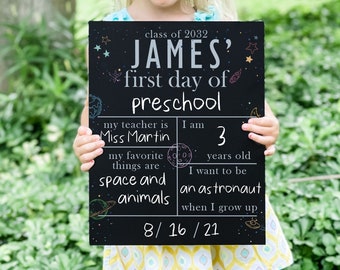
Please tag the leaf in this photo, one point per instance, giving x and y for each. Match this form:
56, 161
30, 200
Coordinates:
305, 224
328, 240
318, 251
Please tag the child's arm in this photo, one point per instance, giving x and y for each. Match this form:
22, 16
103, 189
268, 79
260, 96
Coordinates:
264, 130
87, 146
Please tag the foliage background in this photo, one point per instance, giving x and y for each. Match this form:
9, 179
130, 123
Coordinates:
43, 195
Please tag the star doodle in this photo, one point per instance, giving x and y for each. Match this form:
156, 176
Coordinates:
106, 53
97, 48
106, 40
249, 59
252, 47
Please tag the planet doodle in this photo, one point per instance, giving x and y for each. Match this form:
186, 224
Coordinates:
95, 106
99, 208
179, 155
253, 224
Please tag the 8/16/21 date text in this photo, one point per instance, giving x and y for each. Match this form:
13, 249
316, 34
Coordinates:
178, 230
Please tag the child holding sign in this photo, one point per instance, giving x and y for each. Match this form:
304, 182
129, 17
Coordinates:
275, 254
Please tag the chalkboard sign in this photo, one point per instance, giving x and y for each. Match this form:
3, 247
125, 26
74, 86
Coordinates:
169, 99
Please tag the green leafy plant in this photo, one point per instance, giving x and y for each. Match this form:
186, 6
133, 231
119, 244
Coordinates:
303, 88
43, 196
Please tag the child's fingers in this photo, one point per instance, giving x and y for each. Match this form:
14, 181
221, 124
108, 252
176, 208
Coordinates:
86, 141
264, 140
87, 147
270, 150
90, 151
82, 130
265, 126
256, 129
264, 121
84, 136
87, 166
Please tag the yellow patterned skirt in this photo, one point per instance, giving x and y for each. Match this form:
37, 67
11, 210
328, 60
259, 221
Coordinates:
274, 255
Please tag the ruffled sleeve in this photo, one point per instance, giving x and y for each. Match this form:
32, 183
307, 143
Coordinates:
210, 15
121, 15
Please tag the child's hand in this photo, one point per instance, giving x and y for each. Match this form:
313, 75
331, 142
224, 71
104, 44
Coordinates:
265, 131
87, 147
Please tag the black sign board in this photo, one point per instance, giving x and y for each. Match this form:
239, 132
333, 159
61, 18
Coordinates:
169, 99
